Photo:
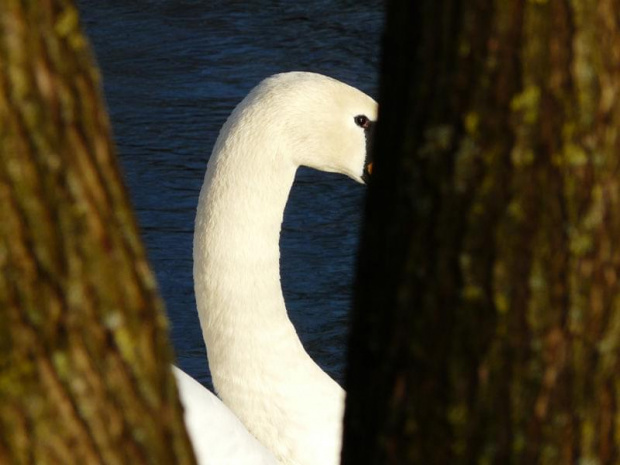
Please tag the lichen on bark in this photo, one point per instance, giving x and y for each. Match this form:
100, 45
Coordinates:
501, 346
84, 357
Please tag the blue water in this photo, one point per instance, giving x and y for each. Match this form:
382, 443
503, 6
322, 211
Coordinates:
173, 70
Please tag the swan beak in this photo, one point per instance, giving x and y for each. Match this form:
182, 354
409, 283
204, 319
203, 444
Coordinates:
367, 172
369, 132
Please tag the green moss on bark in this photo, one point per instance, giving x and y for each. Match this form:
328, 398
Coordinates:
487, 328
84, 357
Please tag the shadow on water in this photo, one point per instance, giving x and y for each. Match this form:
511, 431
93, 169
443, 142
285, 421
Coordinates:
173, 70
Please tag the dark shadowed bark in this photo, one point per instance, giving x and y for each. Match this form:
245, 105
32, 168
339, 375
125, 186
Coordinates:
84, 357
487, 320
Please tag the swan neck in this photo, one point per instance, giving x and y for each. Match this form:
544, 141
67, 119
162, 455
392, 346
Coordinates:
236, 249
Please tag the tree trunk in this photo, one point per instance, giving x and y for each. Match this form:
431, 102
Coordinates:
487, 319
84, 357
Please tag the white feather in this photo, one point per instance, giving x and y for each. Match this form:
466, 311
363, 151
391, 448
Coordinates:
218, 437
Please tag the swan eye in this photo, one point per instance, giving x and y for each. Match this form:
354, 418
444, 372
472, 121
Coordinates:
362, 121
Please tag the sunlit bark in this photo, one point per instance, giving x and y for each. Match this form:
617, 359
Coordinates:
84, 356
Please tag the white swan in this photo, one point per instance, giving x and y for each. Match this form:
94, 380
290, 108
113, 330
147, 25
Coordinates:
258, 364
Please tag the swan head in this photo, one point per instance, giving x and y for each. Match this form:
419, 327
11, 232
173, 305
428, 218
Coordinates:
315, 121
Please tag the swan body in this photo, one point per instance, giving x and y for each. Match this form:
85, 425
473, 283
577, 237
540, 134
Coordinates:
218, 437
259, 367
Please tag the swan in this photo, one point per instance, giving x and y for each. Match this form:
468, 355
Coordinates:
259, 367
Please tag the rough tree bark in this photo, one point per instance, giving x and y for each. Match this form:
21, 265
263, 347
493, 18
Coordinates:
84, 356
487, 322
